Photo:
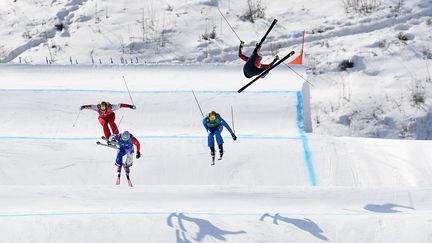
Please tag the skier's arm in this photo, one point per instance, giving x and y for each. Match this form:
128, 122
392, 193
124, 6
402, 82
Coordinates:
114, 137
225, 124
90, 107
270, 64
241, 55
121, 105
205, 124
138, 146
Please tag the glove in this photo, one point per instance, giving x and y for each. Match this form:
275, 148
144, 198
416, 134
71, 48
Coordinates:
276, 58
138, 155
234, 137
82, 107
241, 44
133, 107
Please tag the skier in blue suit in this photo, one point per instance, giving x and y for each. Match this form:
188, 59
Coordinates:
214, 124
125, 143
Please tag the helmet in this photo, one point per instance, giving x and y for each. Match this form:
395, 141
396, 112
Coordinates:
103, 106
125, 136
212, 116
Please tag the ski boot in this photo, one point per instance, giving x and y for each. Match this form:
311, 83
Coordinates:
212, 150
221, 151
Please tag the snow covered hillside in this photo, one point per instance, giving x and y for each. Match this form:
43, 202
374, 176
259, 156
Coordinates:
386, 94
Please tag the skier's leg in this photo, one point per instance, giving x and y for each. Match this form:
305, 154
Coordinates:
210, 140
119, 159
104, 124
212, 151
129, 161
219, 138
221, 151
111, 121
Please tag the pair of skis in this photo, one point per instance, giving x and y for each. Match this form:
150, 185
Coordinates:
113, 144
263, 74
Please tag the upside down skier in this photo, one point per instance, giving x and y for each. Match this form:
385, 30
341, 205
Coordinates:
253, 65
107, 115
125, 143
214, 124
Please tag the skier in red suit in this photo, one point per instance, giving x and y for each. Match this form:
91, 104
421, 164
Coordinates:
107, 115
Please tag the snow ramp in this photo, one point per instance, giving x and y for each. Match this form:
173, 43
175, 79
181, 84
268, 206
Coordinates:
276, 183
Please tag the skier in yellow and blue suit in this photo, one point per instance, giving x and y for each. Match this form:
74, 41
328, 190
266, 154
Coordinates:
214, 124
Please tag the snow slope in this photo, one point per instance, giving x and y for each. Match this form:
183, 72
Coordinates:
275, 183
386, 94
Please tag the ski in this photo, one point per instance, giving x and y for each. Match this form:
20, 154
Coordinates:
106, 145
268, 31
266, 71
108, 141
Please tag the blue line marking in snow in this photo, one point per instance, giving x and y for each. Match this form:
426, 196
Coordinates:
306, 149
225, 214
148, 91
246, 137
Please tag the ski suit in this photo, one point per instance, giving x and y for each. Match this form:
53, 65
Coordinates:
253, 65
214, 129
125, 148
107, 117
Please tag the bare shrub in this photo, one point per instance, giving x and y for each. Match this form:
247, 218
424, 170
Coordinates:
254, 11
418, 93
361, 6
345, 64
427, 52
211, 35
402, 36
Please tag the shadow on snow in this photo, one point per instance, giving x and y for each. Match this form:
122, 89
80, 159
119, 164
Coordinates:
385, 208
205, 228
303, 224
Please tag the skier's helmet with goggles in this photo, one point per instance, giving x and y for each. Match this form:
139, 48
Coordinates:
125, 136
103, 106
212, 116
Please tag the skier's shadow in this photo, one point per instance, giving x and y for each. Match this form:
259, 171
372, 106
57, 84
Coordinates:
205, 229
386, 208
303, 224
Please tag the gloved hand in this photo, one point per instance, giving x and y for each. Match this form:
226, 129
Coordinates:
241, 44
82, 107
276, 58
138, 155
234, 137
133, 107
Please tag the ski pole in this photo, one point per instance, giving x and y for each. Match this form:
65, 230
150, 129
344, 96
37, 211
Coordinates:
298, 74
229, 24
130, 96
232, 119
197, 103
77, 118
121, 119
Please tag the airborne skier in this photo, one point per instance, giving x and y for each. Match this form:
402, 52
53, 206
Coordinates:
253, 65
125, 143
214, 124
107, 115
